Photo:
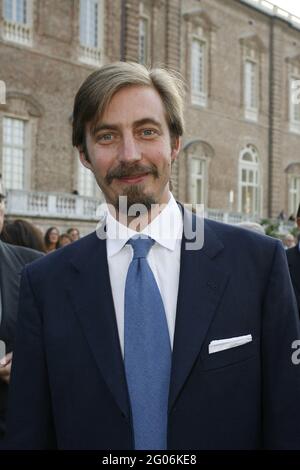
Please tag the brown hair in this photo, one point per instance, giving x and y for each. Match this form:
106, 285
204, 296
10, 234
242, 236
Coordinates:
98, 89
47, 236
23, 233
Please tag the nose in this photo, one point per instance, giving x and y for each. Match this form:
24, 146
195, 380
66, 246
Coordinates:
129, 149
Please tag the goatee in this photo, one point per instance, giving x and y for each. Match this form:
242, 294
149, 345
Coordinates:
135, 195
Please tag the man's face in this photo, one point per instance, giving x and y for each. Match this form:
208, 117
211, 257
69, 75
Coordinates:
130, 151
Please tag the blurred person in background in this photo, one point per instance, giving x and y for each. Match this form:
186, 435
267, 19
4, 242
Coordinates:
288, 241
12, 260
293, 256
254, 226
74, 234
63, 240
23, 233
51, 239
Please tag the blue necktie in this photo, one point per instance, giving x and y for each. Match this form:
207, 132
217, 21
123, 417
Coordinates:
147, 351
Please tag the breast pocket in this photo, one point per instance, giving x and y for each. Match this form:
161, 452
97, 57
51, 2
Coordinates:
230, 356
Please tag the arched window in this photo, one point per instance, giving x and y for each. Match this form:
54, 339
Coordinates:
249, 181
197, 180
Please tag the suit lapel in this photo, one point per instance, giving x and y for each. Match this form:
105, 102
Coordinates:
201, 285
91, 295
294, 266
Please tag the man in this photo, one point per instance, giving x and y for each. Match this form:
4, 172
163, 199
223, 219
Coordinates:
293, 256
12, 260
288, 241
137, 340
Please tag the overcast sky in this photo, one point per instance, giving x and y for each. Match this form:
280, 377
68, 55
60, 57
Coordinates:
292, 6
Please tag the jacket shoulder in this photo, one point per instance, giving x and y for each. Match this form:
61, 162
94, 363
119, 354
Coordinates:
23, 254
235, 234
293, 254
55, 260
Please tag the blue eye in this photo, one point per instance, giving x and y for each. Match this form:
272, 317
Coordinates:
106, 137
148, 132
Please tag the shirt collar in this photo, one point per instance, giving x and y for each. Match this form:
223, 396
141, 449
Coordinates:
165, 229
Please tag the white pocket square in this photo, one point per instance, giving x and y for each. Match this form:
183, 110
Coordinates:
228, 343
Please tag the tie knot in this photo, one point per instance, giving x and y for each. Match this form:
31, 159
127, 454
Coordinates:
141, 246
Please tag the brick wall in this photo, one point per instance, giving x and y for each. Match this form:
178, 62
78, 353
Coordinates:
48, 74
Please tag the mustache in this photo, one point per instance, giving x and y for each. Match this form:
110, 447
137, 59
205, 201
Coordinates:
126, 171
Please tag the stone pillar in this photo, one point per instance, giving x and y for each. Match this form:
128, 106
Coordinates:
131, 30
276, 183
112, 30
173, 36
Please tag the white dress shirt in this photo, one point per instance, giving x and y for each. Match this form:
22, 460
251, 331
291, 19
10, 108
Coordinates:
163, 258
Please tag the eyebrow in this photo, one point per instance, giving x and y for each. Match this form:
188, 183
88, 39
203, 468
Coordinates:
138, 123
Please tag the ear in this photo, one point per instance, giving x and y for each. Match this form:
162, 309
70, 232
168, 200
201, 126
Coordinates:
83, 159
176, 144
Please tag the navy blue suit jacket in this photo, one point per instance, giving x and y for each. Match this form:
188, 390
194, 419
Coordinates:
12, 260
293, 257
68, 387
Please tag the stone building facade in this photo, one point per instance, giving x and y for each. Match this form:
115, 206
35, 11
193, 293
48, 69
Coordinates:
241, 63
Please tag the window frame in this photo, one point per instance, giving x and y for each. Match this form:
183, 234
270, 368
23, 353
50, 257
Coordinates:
294, 123
294, 194
25, 147
91, 54
199, 98
83, 178
250, 111
193, 178
18, 32
255, 168
146, 20
14, 11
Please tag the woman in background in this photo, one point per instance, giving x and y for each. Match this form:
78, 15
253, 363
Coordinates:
51, 239
23, 233
63, 240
